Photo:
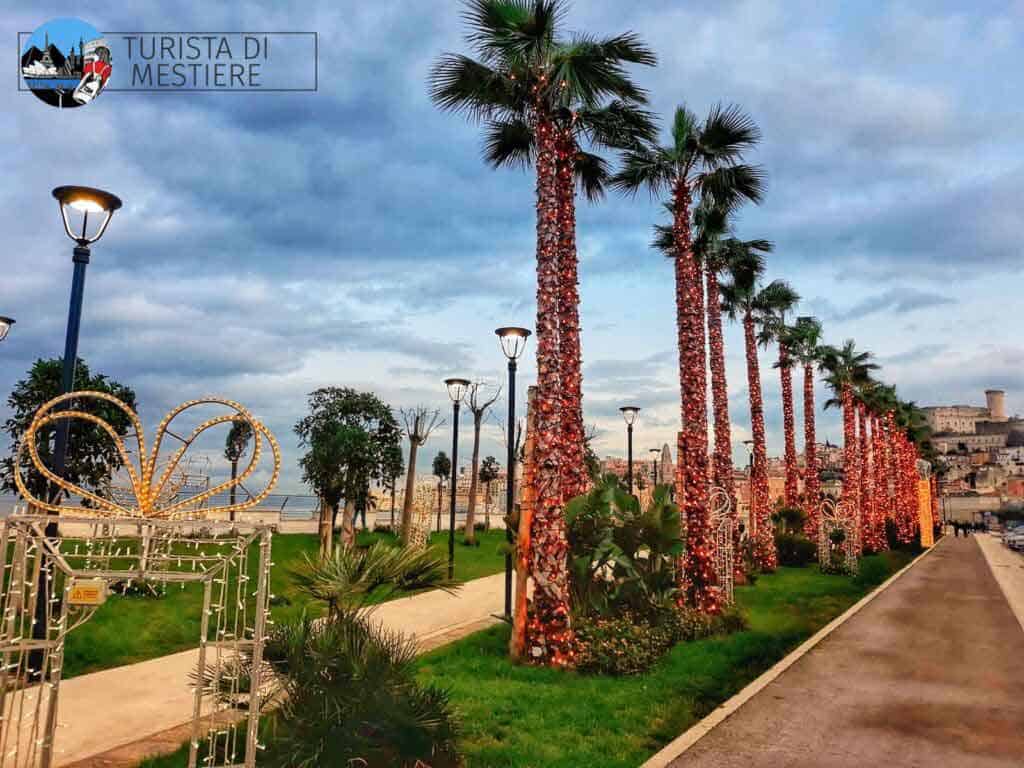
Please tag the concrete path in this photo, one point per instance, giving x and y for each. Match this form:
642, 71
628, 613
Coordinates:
106, 710
928, 674
1008, 568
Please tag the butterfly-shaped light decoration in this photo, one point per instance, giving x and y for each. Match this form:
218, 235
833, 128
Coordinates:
150, 489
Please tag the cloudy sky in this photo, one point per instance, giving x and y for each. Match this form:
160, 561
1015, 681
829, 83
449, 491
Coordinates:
274, 243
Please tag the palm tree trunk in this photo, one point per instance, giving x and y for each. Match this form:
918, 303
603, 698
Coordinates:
410, 490
879, 493
867, 507
699, 571
765, 554
791, 488
723, 469
326, 528
574, 473
892, 467
851, 475
550, 639
812, 479
348, 531
474, 480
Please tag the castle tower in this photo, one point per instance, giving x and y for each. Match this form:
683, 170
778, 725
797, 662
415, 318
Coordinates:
995, 399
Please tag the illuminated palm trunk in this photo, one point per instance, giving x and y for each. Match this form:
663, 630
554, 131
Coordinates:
892, 466
880, 492
549, 635
869, 539
723, 469
765, 554
791, 489
574, 475
699, 572
812, 479
851, 471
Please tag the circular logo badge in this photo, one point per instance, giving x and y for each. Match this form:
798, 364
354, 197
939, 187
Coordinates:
66, 63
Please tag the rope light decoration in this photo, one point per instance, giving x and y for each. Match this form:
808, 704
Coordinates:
148, 487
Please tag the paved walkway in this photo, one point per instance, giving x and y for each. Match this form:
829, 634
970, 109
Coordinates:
110, 709
930, 673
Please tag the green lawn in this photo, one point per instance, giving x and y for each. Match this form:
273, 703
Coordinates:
527, 717
131, 628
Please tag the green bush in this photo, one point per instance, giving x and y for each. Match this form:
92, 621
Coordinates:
794, 549
873, 571
621, 645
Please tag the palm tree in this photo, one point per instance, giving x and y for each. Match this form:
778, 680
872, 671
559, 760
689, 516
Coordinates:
442, 469
774, 328
235, 445
702, 162
803, 342
743, 302
525, 84
846, 369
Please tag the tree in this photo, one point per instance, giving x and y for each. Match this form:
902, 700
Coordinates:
742, 301
489, 471
419, 421
235, 445
536, 90
803, 340
442, 469
92, 457
350, 436
478, 404
774, 328
846, 369
702, 162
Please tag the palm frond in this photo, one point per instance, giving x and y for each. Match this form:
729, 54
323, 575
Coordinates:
460, 84
592, 175
684, 130
727, 133
509, 143
510, 29
649, 167
616, 125
733, 185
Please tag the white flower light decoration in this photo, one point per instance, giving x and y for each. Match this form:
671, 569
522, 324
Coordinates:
151, 500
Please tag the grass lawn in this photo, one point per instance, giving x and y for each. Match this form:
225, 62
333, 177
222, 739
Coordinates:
129, 629
527, 717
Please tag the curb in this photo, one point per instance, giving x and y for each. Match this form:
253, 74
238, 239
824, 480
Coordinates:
697, 731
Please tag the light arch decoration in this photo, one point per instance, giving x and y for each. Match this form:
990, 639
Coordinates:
147, 533
843, 555
152, 476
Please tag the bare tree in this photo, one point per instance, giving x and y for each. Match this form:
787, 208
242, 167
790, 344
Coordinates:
419, 422
478, 400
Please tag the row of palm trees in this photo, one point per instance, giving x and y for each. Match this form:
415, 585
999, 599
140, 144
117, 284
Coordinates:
551, 102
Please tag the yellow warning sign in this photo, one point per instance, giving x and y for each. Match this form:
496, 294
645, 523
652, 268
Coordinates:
87, 592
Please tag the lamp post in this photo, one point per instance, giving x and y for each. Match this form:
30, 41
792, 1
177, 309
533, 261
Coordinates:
84, 200
456, 389
5, 326
655, 455
629, 413
513, 343
749, 445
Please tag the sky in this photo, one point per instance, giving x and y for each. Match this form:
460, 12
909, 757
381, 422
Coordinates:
274, 243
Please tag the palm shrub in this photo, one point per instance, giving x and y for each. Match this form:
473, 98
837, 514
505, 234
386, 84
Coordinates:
352, 577
350, 697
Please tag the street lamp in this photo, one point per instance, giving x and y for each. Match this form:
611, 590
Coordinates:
5, 326
749, 445
629, 413
83, 200
655, 455
456, 389
513, 344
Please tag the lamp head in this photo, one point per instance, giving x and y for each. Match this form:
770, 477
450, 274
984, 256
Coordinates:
629, 413
86, 200
456, 388
5, 326
513, 341
750, 445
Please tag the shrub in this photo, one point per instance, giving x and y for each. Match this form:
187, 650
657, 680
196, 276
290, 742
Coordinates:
731, 620
873, 571
621, 645
794, 549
